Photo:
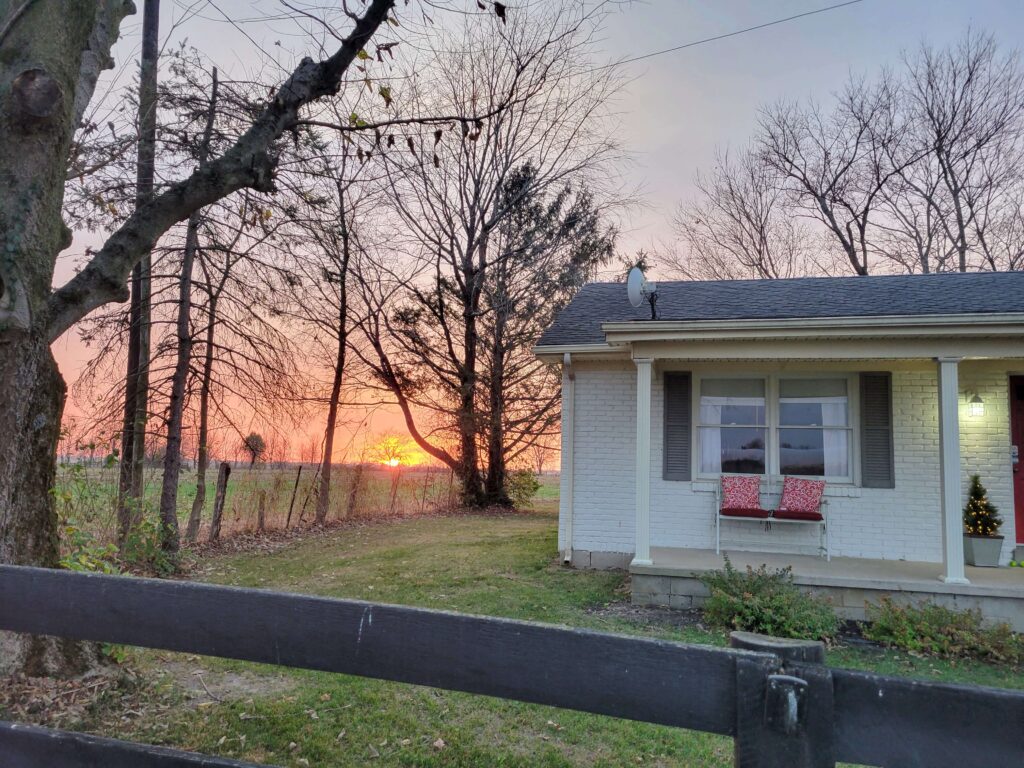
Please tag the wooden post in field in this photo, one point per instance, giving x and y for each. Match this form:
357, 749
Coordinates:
261, 512
218, 500
291, 506
353, 491
395, 480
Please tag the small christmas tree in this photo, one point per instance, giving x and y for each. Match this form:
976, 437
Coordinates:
981, 518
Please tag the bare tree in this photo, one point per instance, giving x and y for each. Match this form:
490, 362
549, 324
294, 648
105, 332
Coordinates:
838, 162
741, 225
918, 171
967, 106
169, 538
549, 245
545, 103
325, 250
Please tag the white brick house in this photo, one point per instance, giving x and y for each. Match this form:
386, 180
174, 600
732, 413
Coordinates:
876, 384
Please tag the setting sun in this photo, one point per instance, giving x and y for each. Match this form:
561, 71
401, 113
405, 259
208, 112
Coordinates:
395, 451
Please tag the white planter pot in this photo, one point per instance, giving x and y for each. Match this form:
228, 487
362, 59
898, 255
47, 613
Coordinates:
982, 550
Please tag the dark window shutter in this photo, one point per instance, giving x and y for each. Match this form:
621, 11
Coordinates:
877, 468
678, 419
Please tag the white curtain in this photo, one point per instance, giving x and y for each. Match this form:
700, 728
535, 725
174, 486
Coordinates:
711, 439
837, 449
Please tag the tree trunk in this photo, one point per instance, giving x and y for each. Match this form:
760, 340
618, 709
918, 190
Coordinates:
218, 500
30, 423
469, 469
169, 539
42, 78
203, 457
136, 406
323, 500
495, 491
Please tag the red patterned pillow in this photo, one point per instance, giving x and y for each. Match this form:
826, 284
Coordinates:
800, 495
741, 492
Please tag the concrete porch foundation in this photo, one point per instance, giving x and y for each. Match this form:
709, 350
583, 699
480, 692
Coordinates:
849, 583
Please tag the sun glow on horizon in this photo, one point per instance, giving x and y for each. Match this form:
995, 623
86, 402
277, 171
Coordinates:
396, 451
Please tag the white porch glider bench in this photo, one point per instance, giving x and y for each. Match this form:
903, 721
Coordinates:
738, 499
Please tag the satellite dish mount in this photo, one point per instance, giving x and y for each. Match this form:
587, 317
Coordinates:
640, 290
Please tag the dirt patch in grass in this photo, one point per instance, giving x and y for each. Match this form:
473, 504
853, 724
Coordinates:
202, 686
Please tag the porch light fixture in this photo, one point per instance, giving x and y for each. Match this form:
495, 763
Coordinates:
976, 406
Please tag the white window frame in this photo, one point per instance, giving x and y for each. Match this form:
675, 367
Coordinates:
699, 425
772, 452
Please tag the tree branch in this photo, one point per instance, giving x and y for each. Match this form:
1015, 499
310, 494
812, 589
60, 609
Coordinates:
248, 163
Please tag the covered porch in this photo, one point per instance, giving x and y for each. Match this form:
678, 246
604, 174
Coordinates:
673, 579
937, 439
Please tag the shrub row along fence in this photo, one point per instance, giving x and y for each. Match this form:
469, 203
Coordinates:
779, 712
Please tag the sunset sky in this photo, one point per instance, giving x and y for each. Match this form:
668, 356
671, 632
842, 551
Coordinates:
676, 108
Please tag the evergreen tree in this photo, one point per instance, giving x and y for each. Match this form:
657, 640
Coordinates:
981, 518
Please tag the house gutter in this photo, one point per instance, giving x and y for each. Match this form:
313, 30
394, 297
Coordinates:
996, 324
568, 443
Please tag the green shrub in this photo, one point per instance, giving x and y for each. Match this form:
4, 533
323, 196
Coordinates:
766, 602
522, 486
81, 552
947, 632
142, 550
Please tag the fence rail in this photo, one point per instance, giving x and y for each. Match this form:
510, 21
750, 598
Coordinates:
780, 715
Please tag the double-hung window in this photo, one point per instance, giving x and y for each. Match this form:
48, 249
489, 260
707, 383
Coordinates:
814, 433
732, 426
775, 425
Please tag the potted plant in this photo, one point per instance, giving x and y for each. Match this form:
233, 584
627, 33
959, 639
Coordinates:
982, 542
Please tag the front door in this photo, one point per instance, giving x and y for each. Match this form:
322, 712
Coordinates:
1017, 449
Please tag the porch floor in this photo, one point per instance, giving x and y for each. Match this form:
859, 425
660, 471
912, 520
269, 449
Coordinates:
848, 582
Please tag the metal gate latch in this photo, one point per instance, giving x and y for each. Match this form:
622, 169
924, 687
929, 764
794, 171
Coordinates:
785, 703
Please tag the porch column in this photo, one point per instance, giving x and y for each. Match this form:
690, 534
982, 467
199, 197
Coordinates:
949, 470
643, 461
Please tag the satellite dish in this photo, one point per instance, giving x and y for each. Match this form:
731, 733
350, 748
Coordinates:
639, 290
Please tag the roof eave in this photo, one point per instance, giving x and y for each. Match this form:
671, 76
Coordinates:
556, 352
995, 324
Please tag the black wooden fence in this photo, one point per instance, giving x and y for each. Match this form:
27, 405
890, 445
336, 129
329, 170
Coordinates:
780, 714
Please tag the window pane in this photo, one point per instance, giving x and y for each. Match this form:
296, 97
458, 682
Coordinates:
813, 403
820, 452
732, 401
733, 388
732, 449
812, 388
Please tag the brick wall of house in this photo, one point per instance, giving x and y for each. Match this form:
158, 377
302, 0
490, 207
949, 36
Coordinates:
901, 523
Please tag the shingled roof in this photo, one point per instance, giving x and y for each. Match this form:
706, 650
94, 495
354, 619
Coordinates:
974, 293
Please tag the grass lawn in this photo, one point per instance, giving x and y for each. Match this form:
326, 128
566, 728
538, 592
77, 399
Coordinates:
500, 566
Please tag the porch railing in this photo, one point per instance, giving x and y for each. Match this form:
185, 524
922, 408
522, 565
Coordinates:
779, 714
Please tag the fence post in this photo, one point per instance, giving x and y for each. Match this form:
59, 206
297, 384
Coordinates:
291, 506
218, 500
783, 720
